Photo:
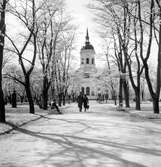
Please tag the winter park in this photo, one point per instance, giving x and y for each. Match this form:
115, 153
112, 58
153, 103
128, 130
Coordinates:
80, 83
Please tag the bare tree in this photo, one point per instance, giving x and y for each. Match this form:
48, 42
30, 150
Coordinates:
111, 15
126, 39
12, 74
27, 15
62, 65
65, 63
128, 22
112, 81
153, 15
47, 41
154, 91
51, 41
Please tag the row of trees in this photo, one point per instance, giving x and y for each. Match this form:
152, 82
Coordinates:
135, 28
45, 34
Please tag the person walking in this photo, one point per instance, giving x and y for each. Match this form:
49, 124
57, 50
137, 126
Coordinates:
54, 106
85, 102
106, 97
80, 101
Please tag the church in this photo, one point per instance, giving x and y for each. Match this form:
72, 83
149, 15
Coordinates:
86, 77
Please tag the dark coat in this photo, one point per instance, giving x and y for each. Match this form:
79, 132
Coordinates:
85, 101
80, 101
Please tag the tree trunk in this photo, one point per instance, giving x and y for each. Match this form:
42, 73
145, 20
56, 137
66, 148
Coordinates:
120, 92
137, 100
142, 95
2, 107
2, 32
45, 93
14, 99
29, 96
45, 99
60, 99
126, 93
114, 96
63, 98
22, 98
156, 105
154, 96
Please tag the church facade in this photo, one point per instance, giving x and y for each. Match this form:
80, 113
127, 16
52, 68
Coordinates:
85, 78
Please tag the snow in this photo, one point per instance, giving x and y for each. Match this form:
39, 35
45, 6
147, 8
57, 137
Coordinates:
101, 137
146, 112
19, 116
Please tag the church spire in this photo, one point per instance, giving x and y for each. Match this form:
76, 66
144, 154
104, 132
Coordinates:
87, 36
87, 43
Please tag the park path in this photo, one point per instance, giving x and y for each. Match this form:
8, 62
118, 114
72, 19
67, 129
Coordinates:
100, 137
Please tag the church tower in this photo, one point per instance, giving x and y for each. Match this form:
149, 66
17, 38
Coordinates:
87, 57
85, 78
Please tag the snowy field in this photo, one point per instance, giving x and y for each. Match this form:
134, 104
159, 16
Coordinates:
101, 137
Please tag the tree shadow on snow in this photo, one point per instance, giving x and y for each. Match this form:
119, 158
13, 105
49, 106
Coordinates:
77, 150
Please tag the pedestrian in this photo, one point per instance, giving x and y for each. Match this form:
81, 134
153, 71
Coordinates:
55, 106
99, 97
14, 99
85, 102
106, 97
80, 101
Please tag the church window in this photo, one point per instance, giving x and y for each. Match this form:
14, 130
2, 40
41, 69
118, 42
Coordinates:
92, 93
92, 60
82, 62
88, 91
82, 90
87, 61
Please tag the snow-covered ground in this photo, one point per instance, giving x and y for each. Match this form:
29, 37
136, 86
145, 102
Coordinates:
145, 112
19, 116
101, 137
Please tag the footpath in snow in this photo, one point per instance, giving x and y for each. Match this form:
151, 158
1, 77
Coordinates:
101, 137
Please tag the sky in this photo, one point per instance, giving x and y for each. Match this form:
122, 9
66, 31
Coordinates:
83, 18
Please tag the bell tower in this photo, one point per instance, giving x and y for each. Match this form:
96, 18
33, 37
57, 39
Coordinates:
85, 80
87, 56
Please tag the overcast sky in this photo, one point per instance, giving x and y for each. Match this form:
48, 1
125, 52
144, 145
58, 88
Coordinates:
83, 19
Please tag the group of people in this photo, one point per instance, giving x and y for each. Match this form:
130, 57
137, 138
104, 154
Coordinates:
102, 97
83, 101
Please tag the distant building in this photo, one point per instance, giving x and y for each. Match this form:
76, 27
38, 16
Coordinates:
86, 78
90, 81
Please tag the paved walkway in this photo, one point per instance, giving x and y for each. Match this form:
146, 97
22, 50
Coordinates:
101, 137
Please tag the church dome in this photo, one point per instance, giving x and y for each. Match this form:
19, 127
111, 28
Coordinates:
89, 46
